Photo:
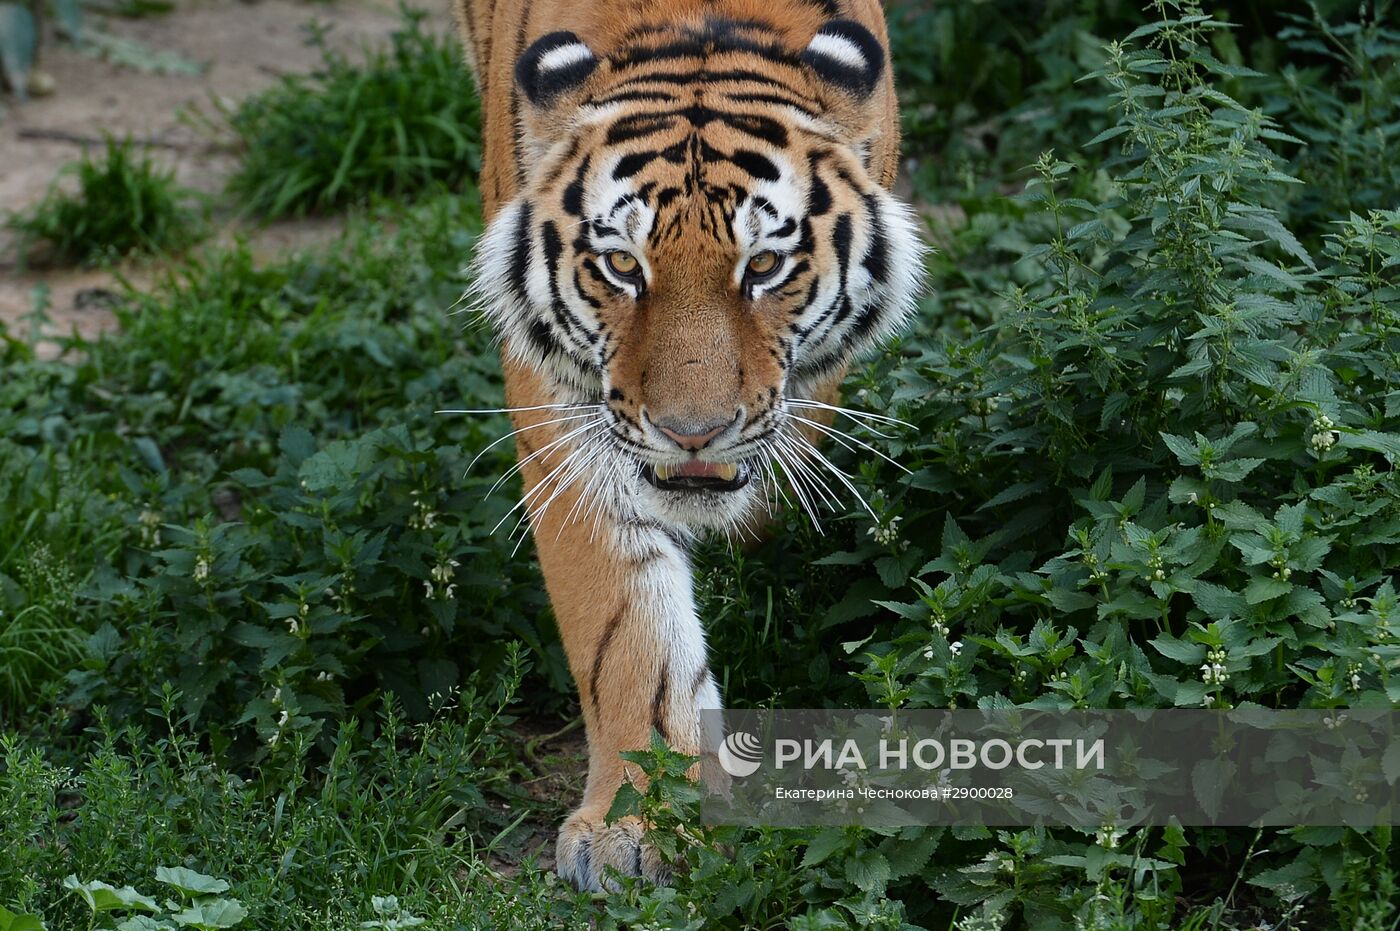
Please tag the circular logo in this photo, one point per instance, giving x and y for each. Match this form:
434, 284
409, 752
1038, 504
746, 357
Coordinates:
741, 754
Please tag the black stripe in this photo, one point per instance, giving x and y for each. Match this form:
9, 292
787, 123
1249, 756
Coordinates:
542, 339
700, 678
629, 165
630, 96
517, 135
603, 644
658, 702
876, 258
759, 166
716, 39
841, 241
760, 97
520, 254
819, 198
563, 315
700, 75
638, 126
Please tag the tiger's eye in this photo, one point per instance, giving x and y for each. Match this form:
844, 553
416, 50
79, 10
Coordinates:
623, 263
763, 263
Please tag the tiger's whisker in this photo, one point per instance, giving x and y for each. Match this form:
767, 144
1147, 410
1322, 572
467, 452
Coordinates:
840, 476
519, 430
843, 438
537, 407
858, 415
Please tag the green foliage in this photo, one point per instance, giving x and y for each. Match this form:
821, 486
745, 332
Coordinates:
295, 848
219, 541
124, 204
1343, 103
400, 122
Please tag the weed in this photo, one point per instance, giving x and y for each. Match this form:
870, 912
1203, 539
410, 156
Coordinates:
124, 204
400, 122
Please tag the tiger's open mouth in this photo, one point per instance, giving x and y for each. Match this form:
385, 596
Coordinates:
698, 476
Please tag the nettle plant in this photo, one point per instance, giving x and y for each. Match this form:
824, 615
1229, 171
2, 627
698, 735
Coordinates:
1205, 412
1163, 476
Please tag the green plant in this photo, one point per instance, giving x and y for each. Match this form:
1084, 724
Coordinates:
398, 123
124, 204
396, 810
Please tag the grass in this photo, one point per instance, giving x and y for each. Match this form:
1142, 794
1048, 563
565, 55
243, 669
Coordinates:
402, 120
123, 205
269, 637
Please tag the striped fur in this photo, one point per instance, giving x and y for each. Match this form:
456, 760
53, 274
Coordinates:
697, 139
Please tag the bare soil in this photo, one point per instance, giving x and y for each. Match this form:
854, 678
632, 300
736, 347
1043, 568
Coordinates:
243, 46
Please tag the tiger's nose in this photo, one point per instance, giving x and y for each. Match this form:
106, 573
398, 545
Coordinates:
690, 435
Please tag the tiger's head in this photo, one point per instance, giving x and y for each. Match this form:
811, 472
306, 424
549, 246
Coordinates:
698, 242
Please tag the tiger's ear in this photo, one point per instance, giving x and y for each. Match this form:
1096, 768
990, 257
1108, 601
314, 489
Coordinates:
848, 61
549, 74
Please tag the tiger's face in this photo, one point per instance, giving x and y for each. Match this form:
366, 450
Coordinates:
698, 244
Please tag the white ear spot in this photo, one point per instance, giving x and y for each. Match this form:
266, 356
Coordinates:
564, 56
552, 65
839, 49
845, 53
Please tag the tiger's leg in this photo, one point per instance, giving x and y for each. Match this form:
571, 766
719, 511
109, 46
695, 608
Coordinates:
620, 585
626, 613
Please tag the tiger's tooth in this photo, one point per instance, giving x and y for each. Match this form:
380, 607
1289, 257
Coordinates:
662, 472
727, 471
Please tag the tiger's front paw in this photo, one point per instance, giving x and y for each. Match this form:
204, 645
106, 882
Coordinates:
588, 845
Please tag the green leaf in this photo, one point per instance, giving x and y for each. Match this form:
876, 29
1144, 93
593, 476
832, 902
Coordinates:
144, 923
1184, 450
1236, 469
211, 914
296, 443
1390, 762
102, 897
627, 801
1217, 601
1387, 444
9, 921
1265, 589
190, 883
823, 846
1180, 650
868, 870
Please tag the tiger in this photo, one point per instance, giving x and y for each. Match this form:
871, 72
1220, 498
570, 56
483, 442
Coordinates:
689, 236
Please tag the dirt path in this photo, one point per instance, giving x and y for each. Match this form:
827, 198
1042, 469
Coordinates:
243, 47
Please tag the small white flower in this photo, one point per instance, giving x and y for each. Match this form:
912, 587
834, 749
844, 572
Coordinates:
887, 533
956, 646
928, 653
150, 527
1323, 436
201, 570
